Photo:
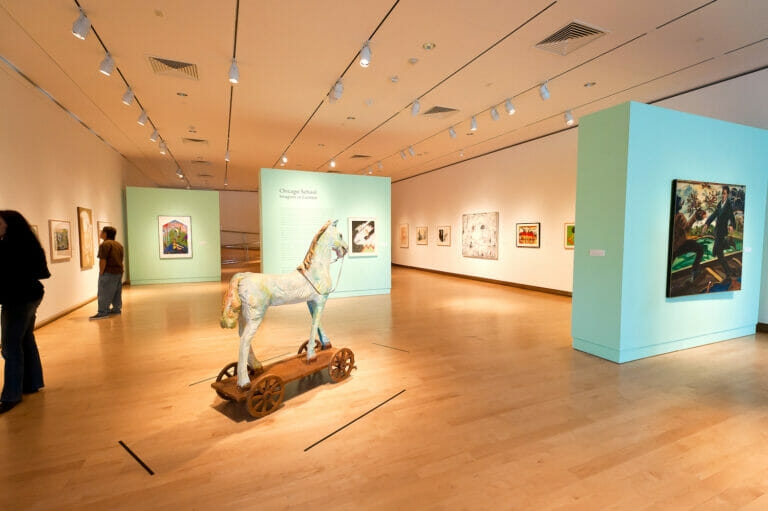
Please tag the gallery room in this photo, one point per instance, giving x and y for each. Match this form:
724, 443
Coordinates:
384, 254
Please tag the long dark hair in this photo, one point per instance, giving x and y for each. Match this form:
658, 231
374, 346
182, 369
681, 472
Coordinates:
19, 235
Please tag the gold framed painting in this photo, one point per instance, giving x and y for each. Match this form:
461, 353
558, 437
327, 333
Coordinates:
60, 232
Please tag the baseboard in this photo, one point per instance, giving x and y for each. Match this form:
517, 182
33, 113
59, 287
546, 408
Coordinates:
490, 281
63, 313
762, 327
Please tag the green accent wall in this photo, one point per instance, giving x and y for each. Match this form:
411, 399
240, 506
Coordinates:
296, 204
628, 157
143, 207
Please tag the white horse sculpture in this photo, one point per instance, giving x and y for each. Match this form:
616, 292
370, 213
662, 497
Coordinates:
250, 294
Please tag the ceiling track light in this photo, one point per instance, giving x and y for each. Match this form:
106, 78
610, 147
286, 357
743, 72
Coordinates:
381, 166
284, 158
128, 97
415, 107
107, 65
234, 72
370, 171
333, 163
494, 114
81, 26
154, 136
473, 124
163, 147
411, 151
544, 91
180, 173
365, 55
509, 106
143, 118
226, 156
336, 91
569, 120
452, 132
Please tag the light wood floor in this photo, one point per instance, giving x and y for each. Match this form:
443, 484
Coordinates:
498, 412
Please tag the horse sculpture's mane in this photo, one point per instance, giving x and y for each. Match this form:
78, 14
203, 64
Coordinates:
311, 252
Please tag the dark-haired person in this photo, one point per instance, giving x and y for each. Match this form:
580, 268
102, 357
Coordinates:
110, 275
22, 266
725, 221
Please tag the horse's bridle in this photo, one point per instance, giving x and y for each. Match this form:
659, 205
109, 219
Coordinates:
301, 270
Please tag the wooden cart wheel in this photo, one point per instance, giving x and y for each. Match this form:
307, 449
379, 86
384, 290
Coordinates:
341, 364
303, 347
265, 395
230, 371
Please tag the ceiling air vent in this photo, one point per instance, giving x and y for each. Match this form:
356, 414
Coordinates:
440, 112
569, 38
360, 156
201, 162
175, 68
194, 141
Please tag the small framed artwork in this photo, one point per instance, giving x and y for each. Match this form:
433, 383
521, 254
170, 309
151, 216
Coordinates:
403, 235
85, 229
480, 235
61, 240
422, 237
362, 235
528, 235
569, 233
175, 233
101, 225
444, 235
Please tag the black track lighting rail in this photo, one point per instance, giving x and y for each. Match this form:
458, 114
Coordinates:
231, 91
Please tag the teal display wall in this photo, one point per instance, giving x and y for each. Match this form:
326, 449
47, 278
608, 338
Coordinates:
295, 204
144, 206
628, 156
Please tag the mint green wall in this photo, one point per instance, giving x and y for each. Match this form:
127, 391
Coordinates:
143, 206
289, 224
664, 145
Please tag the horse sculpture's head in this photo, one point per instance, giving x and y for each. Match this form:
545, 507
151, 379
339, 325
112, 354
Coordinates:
336, 240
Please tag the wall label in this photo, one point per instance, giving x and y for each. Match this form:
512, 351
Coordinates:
597, 252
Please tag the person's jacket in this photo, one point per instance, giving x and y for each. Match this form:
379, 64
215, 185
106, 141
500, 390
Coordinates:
21, 269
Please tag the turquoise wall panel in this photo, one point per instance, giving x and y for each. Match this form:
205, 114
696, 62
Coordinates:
295, 204
143, 206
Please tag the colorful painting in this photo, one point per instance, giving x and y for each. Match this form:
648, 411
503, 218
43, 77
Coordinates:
706, 236
528, 235
422, 235
444, 235
480, 235
85, 229
403, 235
362, 234
175, 237
61, 245
570, 236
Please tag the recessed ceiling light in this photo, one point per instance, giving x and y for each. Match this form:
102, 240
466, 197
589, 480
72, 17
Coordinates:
321, 145
413, 60
590, 84
369, 101
350, 118
182, 94
470, 133
394, 79
428, 46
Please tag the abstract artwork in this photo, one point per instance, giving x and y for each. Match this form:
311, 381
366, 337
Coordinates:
528, 235
706, 237
175, 236
61, 244
444, 235
362, 235
569, 235
403, 235
422, 236
85, 229
480, 235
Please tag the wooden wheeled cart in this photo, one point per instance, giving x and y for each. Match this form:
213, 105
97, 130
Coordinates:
267, 388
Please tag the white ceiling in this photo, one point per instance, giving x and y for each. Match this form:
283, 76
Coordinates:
291, 52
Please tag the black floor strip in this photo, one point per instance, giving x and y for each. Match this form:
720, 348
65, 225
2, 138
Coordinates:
136, 458
201, 381
390, 347
352, 422
214, 377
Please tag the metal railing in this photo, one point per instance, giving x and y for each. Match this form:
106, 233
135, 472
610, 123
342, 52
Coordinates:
244, 241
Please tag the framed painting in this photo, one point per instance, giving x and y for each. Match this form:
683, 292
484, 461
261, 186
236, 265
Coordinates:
569, 235
175, 234
85, 229
528, 235
60, 232
480, 235
444, 235
422, 235
706, 238
362, 236
403, 235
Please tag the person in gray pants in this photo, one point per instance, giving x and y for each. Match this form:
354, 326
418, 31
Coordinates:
110, 294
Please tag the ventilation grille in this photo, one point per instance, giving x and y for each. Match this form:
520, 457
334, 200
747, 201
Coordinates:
194, 141
360, 156
175, 68
569, 38
440, 112
201, 162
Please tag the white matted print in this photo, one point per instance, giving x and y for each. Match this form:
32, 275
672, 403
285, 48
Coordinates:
61, 240
480, 235
175, 234
422, 235
362, 237
403, 235
444, 235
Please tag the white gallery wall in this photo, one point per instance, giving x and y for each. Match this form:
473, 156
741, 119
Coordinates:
50, 165
536, 182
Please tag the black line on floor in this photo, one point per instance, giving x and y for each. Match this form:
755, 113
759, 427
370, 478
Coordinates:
355, 420
136, 458
201, 381
213, 377
390, 347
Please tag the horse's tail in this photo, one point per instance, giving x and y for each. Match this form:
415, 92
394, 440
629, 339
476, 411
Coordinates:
230, 308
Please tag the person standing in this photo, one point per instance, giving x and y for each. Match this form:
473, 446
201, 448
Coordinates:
724, 223
22, 266
110, 292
